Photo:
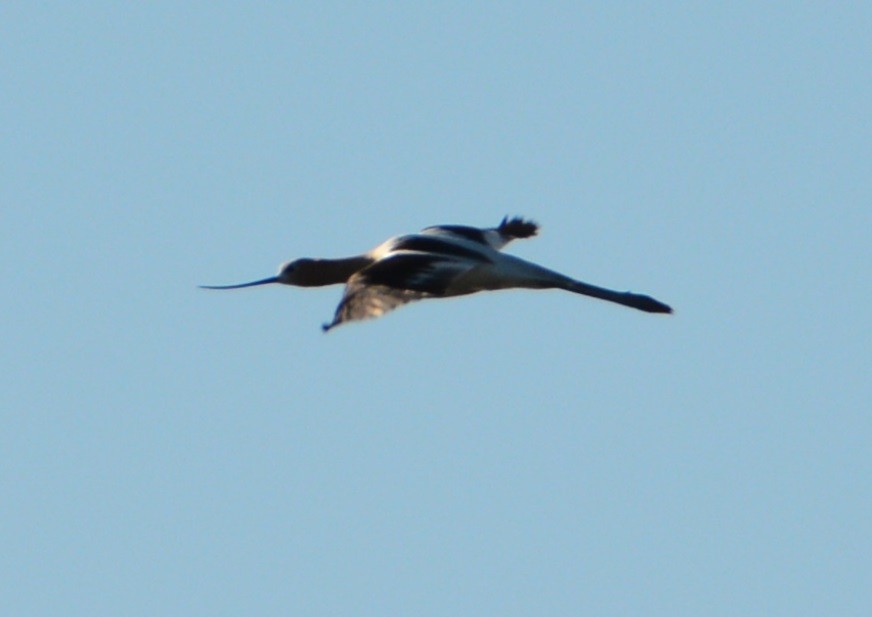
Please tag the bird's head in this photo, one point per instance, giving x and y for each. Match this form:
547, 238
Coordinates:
301, 272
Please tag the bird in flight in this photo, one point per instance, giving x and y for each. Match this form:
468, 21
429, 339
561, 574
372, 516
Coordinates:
438, 262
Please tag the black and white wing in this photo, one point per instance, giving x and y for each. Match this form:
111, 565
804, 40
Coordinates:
392, 282
369, 301
494, 237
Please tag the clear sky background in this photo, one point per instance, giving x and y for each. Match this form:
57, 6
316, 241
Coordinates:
171, 451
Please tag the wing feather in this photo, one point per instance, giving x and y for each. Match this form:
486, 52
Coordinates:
393, 282
362, 301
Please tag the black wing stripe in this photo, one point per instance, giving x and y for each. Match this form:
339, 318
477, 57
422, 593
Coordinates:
410, 271
470, 233
437, 246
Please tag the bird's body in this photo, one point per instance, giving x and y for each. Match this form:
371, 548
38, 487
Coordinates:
438, 262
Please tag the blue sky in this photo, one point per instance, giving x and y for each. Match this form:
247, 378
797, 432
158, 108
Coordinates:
167, 450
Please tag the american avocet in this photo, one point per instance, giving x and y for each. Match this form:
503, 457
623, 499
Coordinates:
438, 262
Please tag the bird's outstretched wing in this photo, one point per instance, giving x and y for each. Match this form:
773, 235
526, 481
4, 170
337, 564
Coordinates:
392, 282
495, 237
369, 301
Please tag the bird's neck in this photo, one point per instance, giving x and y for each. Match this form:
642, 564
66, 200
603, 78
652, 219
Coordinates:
320, 272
